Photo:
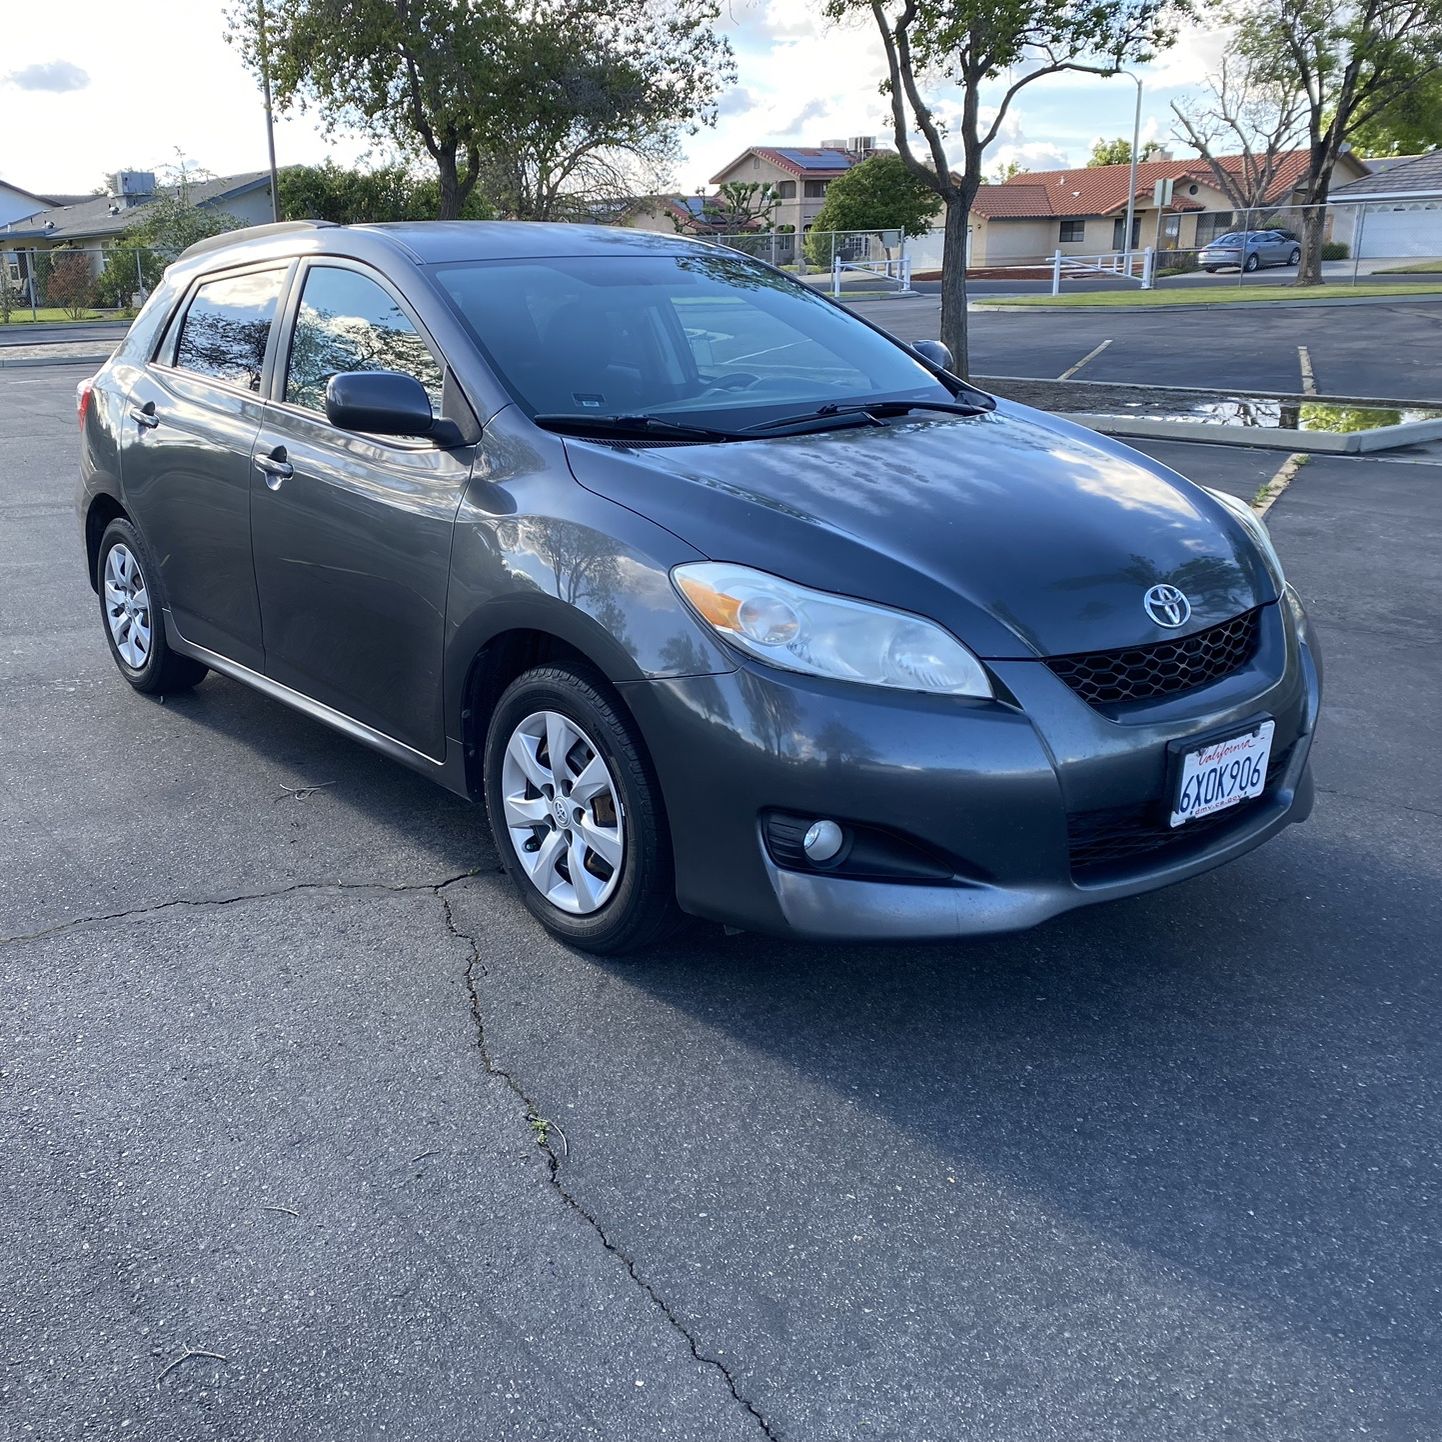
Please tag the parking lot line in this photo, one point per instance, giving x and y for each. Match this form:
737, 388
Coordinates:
1309, 381
1067, 374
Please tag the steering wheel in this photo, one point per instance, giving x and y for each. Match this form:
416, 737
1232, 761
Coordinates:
735, 381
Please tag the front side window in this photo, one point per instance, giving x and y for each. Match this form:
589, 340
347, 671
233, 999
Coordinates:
703, 338
227, 326
347, 322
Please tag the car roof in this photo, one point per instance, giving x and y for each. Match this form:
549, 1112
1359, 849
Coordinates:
434, 242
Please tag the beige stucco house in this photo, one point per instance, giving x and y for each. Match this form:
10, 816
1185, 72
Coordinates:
1082, 212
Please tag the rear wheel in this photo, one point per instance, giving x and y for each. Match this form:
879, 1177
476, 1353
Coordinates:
131, 607
577, 814
1210, 269
1295, 258
1252, 262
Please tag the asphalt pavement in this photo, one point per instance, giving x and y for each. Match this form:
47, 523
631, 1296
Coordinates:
276, 1063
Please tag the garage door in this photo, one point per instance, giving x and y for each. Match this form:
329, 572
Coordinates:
1406, 229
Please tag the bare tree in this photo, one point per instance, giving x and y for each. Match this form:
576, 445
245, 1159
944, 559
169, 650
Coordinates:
998, 47
1242, 114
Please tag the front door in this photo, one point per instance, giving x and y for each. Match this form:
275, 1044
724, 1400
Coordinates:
185, 458
352, 533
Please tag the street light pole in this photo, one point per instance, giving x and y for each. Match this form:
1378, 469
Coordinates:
269, 116
1132, 177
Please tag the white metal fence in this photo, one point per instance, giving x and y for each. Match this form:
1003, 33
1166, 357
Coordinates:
842, 260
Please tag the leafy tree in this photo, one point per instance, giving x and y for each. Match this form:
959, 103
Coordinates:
1410, 125
1004, 172
1000, 47
879, 194
1119, 152
170, 223
547, 101
71, 285
1243, 113
353, 197
1350, 63
10, 294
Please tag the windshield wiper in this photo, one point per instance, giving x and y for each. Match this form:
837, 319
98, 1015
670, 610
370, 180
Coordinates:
874, 412
578, 423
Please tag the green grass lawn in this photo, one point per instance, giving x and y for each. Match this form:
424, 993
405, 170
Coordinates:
22, 316
1413, 267
1222, 295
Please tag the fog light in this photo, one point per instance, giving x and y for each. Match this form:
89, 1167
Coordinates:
823, 840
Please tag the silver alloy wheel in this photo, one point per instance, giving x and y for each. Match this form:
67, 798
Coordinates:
127, 606
563, 812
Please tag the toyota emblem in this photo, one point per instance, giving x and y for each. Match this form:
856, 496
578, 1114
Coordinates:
1167, 606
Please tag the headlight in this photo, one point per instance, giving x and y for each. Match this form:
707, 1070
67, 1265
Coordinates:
1253, 522
822, 635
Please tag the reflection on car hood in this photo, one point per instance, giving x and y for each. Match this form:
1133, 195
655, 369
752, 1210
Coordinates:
1021, 532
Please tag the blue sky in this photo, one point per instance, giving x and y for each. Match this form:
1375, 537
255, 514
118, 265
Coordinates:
120, 86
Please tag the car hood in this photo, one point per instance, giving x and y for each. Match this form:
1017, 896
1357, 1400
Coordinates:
1022, 533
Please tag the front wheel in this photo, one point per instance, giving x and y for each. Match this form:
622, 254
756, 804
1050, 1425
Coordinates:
577, 813
130, 606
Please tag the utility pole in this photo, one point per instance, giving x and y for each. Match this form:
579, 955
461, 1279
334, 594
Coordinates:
1127, 240
269, 116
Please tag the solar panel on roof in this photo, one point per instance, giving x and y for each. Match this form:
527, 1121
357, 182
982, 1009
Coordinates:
810, 160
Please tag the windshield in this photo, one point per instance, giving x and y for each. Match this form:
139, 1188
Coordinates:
704, 339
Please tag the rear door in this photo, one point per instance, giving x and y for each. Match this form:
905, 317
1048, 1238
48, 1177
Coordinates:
352, 533
185, 455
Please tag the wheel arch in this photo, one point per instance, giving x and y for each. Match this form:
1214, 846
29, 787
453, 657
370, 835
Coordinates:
510, 652
103, 509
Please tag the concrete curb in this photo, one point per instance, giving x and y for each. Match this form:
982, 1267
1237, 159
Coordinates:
19, 362
1380, 403
1354, 443
1183, 307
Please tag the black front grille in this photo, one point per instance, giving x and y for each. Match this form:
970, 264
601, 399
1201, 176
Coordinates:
1107, 678
1102, 838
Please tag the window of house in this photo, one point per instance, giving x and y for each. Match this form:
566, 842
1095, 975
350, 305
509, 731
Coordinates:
347, 322
786, 190
815, 189
1073, 230
227, 326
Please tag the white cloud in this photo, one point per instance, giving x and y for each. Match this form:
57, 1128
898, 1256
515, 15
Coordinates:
55, 75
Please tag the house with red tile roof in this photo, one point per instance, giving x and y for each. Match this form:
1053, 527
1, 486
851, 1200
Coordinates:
1082, 212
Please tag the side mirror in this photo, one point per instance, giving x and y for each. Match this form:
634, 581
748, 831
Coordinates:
379, 403
933, 351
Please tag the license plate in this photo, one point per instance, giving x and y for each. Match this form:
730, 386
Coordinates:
1222, 774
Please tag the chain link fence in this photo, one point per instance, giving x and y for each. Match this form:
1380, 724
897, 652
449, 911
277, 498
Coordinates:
76, 283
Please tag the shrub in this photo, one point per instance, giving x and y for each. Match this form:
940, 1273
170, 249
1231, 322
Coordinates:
71, 285
1336, 250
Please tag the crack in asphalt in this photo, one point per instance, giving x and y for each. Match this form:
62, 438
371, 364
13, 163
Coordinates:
474, 967
1378, 801
203, 901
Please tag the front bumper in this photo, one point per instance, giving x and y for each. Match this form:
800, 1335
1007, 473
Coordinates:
998, 789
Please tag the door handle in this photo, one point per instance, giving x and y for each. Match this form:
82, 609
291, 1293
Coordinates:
274, 467
144, 416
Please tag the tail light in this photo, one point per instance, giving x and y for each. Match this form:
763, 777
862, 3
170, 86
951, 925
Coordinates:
83, 391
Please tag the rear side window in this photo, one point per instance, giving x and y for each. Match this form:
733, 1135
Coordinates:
346, 323
227, 326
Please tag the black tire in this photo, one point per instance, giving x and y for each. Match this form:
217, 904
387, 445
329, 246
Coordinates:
159, 670
641, 910
1210, 269
1295, 258
1253, 261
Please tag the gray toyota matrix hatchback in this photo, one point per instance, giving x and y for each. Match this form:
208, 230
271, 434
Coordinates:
726, 602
